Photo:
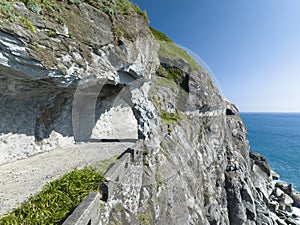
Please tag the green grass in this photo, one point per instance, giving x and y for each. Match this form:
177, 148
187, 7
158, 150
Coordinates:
46, 7
159, 35
165, 82
139, 11
28, 24
172, 50
169, 49
7, 11
169, 118
52, 9
50, 6
102, 166
42, 6
57, 200
171, 73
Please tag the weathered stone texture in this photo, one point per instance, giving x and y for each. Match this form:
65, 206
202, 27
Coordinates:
77, 80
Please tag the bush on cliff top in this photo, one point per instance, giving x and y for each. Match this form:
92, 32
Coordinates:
57, 200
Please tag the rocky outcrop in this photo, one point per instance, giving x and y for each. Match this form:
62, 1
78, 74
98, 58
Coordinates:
57, 81
103, 77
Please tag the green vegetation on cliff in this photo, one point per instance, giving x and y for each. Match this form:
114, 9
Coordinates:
52, 9
171, 73
169, 49
168, 118
111, 7
160, 36
57, 200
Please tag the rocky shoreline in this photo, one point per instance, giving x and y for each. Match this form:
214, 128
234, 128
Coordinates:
283, 200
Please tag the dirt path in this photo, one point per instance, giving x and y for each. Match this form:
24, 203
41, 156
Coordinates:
22, 178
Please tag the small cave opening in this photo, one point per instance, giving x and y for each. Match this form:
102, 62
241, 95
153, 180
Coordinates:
229, 112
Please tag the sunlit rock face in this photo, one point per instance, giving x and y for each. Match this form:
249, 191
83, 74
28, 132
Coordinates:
83, 81
54, 84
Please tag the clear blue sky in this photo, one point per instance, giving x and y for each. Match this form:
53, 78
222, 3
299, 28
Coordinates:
252, 46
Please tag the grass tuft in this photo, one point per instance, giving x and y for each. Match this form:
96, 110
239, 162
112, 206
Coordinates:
139, 11
172, 50
57, 200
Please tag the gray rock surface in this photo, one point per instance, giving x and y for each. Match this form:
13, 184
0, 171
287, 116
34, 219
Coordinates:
296, 198
195, 167
54, 88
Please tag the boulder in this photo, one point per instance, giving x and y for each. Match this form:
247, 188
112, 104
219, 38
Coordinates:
261, 162
287, 200
286, 188
278, 192
296, 199
274, 175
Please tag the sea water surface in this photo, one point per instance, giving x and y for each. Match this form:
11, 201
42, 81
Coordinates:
277, 137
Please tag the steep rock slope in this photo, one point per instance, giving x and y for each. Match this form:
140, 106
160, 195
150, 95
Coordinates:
63, 80
196, 167
57, 79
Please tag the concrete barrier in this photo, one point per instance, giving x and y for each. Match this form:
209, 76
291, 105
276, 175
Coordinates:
115, 174
118, 170
87, 213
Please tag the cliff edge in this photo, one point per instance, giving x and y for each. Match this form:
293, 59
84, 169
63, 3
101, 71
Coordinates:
81, 71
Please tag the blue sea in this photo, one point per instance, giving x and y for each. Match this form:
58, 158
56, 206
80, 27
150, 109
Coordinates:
277, 137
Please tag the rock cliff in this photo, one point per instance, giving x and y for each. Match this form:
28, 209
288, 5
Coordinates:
95, 70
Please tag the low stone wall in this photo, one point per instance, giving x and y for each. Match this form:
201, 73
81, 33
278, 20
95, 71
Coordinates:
117, 171
87, 213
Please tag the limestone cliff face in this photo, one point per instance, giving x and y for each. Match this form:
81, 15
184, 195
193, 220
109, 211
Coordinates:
76, 81
195, 168
54, 80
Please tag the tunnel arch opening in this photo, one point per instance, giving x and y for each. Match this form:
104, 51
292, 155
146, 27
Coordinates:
100, 114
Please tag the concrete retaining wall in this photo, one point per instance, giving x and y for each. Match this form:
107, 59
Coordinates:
116, 173
87, 213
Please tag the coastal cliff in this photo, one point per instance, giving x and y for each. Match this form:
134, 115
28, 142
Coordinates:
81, 71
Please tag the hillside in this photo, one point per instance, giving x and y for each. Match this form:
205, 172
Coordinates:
84, 71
